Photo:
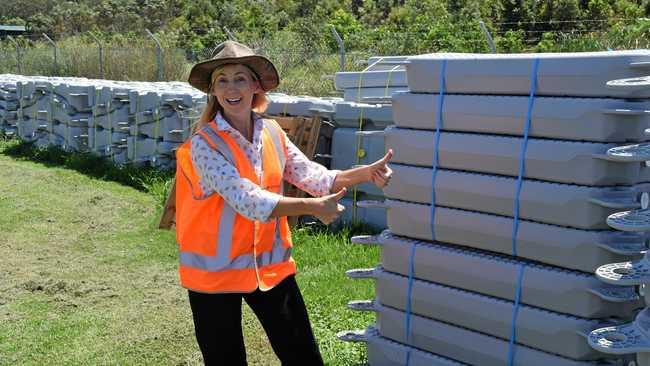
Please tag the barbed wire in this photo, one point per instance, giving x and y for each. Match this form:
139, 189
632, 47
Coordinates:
569, 31
569, 21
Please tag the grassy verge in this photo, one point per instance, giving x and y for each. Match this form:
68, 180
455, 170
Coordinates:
88, 279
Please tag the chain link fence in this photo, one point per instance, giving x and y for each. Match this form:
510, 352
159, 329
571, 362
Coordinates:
306, 64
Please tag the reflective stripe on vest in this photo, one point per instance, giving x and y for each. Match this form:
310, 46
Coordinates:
243, 254
279, 253
215, 141
278, 141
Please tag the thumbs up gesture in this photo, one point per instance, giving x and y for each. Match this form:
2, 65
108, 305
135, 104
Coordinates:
329, 207
379, 173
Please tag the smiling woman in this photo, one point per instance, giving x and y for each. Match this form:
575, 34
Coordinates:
237, 90
231, 214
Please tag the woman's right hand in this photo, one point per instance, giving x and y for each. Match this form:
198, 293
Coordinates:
328, 208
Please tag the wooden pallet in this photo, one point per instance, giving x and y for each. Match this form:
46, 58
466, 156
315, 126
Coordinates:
302, 131
168, 217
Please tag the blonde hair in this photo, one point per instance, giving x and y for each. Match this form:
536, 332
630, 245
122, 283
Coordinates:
259, 104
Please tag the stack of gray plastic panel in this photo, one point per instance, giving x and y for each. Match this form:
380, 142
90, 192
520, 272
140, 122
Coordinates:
307, 106
376, 83
136, 122
299, 105
336, 148
42, 111
346, 139
493, 269
337, 145
8, 107
367, 108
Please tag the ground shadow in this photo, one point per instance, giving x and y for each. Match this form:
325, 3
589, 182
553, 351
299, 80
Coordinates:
89, 164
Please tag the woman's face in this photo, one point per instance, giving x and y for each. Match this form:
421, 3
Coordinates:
234, 88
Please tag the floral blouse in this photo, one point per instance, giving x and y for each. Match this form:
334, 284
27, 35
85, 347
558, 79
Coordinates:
218, 175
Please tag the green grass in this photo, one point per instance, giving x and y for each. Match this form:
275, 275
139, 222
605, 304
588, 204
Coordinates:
87, 278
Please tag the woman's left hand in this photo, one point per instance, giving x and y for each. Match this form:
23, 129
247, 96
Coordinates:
379, 173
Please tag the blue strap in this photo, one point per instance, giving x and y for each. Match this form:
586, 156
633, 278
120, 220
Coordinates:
434, 167
515, 221
409, 290
436, 147
515, 312
522, 154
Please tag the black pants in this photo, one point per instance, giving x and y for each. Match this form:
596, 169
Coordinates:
282, 312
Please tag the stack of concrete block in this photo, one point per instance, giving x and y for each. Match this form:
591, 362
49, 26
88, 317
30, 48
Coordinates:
128, 122
516, 178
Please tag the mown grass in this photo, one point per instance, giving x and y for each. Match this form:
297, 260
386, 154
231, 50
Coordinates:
88, 279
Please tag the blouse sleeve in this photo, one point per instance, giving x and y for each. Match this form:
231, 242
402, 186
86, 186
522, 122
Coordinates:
307, 175
219, 175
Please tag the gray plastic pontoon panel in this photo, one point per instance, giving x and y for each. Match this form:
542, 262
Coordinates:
387, 60
584, 163
101, 140
298, 105
385, 352
559, 74
581, 207
583, 250
76, 95
114, 119
375, 116
371, 95
38, 107
344, 153
372, 216
70, 137
369, 79
546, 287
170, 128
542, 329
148, 150
588, 119
465, 345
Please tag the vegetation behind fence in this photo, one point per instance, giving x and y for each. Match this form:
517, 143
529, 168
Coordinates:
297, 34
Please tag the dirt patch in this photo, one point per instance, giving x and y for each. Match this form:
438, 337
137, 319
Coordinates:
51, 286
47, 286
95, 200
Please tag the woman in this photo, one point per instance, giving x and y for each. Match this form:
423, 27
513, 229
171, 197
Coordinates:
231, 215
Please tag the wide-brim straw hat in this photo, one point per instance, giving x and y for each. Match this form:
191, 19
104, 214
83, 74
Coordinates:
231, 52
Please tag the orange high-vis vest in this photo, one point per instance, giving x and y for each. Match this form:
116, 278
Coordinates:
221, 250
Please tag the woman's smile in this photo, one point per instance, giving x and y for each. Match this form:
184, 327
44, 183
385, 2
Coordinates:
233, 101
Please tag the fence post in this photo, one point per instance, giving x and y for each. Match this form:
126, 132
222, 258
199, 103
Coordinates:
56, 58
229, 34
158, 54
490, 41
19, 61
339, 40
101, 54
